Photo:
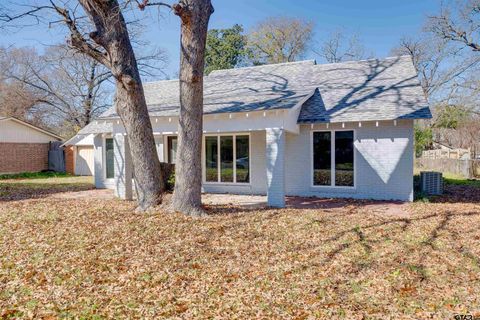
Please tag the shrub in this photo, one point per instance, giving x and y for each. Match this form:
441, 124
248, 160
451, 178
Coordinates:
171, 181
423, 139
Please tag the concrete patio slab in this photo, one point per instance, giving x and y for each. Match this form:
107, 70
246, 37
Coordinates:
256, 201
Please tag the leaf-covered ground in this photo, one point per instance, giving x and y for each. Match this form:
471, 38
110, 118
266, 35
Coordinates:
93, 259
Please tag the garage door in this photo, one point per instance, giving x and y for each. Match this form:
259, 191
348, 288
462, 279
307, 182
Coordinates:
84, 161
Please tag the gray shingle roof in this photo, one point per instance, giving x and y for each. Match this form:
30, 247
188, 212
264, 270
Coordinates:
351, 91
277, 86
365, 90
95, 127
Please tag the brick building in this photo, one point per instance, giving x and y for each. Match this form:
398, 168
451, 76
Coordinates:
23, 147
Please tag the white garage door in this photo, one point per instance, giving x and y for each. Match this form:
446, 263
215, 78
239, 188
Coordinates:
84, 161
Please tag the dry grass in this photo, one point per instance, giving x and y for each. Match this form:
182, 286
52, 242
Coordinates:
94, 259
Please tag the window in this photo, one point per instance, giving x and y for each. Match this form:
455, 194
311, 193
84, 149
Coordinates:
109, 156
322, 159
340, 152
172, 149
344, 158
227, 159
242, 163
211, 155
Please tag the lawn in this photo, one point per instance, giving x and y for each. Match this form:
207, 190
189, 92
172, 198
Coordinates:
452, 179
31, 186
94, 259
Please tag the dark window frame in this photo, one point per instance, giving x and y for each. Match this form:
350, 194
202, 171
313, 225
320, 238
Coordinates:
333, 160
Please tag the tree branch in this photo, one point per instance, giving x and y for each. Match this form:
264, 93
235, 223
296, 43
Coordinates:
146, 3
33, 13
78, 41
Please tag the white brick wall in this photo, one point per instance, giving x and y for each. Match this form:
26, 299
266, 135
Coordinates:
275, 164
98, 167
383, 162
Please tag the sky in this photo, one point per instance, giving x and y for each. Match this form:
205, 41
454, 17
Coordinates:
380, 24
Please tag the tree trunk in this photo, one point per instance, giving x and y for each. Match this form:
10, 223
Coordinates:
88, 103
112, 34
194, 15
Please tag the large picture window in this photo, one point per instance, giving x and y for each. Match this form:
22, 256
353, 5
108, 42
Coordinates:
109, 155
333, 147
227, 159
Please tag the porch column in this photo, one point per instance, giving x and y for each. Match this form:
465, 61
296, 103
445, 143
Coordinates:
275, 156
122, 166
98, 161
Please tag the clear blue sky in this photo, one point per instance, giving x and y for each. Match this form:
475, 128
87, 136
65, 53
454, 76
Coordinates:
379, 23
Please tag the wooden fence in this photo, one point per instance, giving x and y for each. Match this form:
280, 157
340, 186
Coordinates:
463, 154
468, 169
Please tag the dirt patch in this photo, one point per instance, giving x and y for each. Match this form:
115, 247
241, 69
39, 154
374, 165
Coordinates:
98, 194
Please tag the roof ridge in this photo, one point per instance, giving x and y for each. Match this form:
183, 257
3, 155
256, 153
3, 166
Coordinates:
266, 65
241, 68
365, 60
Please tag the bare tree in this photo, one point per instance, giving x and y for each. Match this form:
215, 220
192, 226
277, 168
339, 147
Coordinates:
279, 39
16, 99
338, 48
463, 135
426, 58
103, 35
70, 88
440, 67
459, 23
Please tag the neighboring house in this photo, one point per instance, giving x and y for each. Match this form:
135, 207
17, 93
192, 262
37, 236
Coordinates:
23, 147
79, 154
300, 129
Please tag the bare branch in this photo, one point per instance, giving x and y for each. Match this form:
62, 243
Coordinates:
461, 25
337, 47
34, 12
146, 3
78, 41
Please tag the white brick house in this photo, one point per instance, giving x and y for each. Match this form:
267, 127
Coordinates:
302, 129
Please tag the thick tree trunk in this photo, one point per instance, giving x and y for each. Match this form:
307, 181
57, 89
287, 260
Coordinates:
194, 15
112, 34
